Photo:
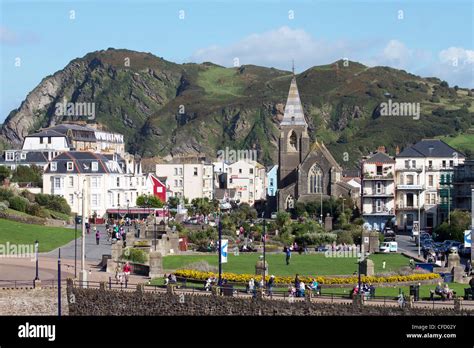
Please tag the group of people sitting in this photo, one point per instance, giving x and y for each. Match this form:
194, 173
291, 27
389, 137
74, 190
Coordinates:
368, 290
299, 287
444, 291
170, 279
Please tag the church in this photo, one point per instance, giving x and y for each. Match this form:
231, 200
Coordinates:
306, 172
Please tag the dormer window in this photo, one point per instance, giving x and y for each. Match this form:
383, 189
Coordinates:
95, 166
70, 166
54, 166
9, 156
23, 155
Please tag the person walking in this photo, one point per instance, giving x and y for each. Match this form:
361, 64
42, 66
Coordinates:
97, 236
271, 284
288, 256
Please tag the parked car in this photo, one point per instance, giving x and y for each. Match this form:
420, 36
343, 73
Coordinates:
464, 251
388, 247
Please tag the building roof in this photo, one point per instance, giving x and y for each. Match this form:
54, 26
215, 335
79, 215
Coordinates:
380, 157
294, 114
430, 148
32, 157
83, 163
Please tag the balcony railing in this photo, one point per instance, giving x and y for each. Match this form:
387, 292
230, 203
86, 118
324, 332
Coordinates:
403, 206
379, 210
376, 192
415, 169
409, 187
373, 176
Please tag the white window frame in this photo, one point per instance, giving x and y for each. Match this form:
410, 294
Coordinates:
70, 166
56, 181
9, 156
95, 166
71, 181
54, 166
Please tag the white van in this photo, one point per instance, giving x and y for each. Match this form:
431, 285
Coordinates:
388, 247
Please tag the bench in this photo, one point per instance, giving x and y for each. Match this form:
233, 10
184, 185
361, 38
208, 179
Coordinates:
469, 292
442, 295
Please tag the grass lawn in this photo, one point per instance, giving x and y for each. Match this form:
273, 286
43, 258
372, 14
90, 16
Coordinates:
49, 238
310, 264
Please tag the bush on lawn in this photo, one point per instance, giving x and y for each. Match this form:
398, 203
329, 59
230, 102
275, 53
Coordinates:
135, 255
6, 194
53, 202
18, 203
4, 205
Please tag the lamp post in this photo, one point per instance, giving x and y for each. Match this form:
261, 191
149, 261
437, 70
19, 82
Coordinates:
264, 245
128, 214
36, 254
220, 251
75, 246
83, 273
154, 229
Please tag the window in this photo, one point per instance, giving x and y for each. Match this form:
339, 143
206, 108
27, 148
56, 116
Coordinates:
71, 199
271, 181
175, 171
9, 156
315, 179
54, 166
71, 181
230, 181
430, 180
95, 166
451, 163
407, 164
443, 164
180, 183
250, 194
57, 182
430, 164
180, 171
176, 183
410, 180
95, 200
293, 142
413, 164
378, 205
251, 181
195, 171
379, 170
118, 182
251, 170
49, 140
159, 189
23, 155
95, 182
70, 166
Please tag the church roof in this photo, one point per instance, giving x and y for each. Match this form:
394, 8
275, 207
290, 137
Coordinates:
294, 114
319, 146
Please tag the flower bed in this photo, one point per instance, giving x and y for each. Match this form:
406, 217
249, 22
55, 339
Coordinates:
326, 280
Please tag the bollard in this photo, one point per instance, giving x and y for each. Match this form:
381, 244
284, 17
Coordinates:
141, 288
37, 284
458, 304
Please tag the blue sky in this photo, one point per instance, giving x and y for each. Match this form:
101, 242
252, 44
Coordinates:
429, 38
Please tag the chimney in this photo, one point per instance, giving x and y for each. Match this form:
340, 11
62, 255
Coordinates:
381, 149
397, 150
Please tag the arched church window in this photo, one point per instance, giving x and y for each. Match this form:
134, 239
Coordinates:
315, 179
290, 202
293, 141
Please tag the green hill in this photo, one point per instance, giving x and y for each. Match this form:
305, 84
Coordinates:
165, 108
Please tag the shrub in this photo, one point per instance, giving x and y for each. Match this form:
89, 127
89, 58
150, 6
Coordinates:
53, 202
6, 194
4, 206
18, 203
135, 255
28, 195
344, 237
34, 209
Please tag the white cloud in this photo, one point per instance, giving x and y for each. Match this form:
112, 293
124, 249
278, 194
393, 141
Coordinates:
10, 37
276, 48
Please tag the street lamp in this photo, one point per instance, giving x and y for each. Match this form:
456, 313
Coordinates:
154, 229
128, 214
36, 252
83, 273
264, 245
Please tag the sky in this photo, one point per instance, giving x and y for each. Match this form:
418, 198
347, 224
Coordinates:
427, 38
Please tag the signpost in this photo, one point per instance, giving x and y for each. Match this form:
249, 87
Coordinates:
416, 232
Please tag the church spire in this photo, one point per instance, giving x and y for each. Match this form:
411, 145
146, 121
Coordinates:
294, 114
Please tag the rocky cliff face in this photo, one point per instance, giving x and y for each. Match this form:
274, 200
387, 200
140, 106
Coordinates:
166, 109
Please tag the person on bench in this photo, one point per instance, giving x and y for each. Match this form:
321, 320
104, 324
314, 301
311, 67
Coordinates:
439, 291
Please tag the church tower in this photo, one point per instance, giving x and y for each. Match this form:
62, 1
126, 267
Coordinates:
294, 140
